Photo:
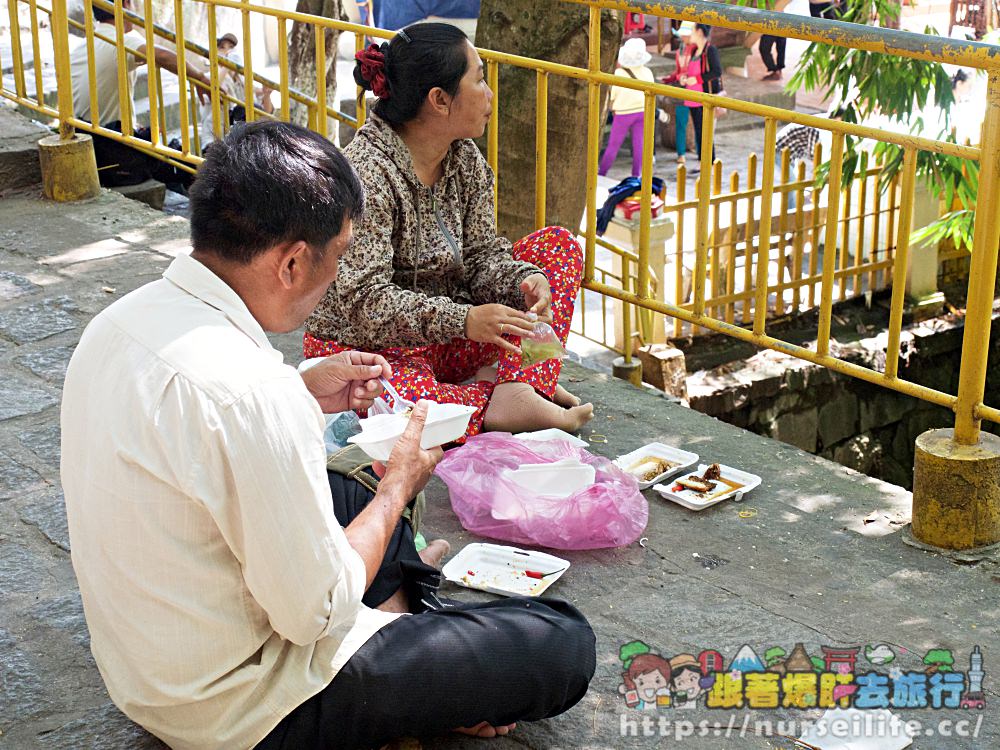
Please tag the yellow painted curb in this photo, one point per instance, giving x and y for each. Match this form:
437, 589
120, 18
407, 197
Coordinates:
69, 169
956, 491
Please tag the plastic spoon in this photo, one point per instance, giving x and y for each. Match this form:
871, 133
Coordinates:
399, 404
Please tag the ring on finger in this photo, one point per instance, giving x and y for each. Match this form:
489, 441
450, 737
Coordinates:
502, 326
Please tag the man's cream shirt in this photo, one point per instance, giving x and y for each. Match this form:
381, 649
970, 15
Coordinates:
105, 74
219, 590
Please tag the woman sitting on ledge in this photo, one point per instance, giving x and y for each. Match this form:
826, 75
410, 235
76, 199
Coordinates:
427, 282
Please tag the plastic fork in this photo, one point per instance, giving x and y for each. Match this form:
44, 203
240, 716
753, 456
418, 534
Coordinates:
399, 404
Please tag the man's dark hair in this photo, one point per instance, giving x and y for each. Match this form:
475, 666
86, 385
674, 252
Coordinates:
271, 182
419, 58
705, 29
103, 16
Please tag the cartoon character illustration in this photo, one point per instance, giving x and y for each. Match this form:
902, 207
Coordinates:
646, 682
688, 682
879, 654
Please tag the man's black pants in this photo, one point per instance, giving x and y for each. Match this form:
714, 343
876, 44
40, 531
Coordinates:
767, 42
698, 119
423, 675
119, 164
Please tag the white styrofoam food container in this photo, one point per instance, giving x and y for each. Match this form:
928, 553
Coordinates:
500, 569
698, 501
553, 433
445, 423
684, 460
557, 479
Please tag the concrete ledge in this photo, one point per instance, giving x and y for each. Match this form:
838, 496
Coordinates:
18, 150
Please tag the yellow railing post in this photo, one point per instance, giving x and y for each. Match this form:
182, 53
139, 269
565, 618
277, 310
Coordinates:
646, 195
359, 44
322, 122
833, 185
982, 275
764, 239
248, 87
182, 81
64, 82
15, 48
704, 194
69, 171
541, 145
899, 269
593, 140
213, 71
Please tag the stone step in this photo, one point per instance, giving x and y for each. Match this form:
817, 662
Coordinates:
150, 192
19, 137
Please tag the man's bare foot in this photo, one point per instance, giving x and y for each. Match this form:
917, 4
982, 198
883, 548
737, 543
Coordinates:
516, 407
564, 398
486, 731
435, 552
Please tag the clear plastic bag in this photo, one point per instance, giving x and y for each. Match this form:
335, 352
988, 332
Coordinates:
609, 513
543, 344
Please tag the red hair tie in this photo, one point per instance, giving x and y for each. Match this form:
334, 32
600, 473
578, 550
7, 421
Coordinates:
373, 70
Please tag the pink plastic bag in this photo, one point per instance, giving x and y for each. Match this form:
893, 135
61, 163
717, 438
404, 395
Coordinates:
610, 513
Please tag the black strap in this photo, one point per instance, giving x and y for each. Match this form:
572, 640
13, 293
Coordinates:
631, 74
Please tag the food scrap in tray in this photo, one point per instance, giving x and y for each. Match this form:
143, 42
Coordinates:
706, 483
526, 582
648, 468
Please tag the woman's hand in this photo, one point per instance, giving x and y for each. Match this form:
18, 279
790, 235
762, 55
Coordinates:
487, 324
348, 380
538, 296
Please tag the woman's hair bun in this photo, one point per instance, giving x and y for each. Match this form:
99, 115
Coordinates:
369, 69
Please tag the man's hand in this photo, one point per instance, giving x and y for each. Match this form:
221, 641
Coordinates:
348, 380
489, 323
410, 466
538, 296
204, 97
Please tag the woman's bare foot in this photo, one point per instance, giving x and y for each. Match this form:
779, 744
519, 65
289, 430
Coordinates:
516, 407
435, 552
564, 398
486, 731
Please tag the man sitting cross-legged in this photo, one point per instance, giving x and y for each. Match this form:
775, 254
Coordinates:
233, 600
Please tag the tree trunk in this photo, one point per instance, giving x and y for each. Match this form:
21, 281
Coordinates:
302, 55
554, 31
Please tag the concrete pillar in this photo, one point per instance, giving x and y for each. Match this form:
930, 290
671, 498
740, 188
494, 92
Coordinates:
923, 300
956, 491
69, 169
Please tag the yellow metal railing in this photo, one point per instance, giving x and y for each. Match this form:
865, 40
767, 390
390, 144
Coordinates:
967, 404
713, 300
782, 234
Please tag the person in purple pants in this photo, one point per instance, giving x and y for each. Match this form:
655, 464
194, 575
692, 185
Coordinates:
628, 106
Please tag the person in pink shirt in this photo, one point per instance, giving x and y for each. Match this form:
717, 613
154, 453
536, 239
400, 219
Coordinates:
682, 114
704, 74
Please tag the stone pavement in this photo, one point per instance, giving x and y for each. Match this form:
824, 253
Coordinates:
814, 556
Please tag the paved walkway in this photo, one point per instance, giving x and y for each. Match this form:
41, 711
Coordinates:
814, 556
